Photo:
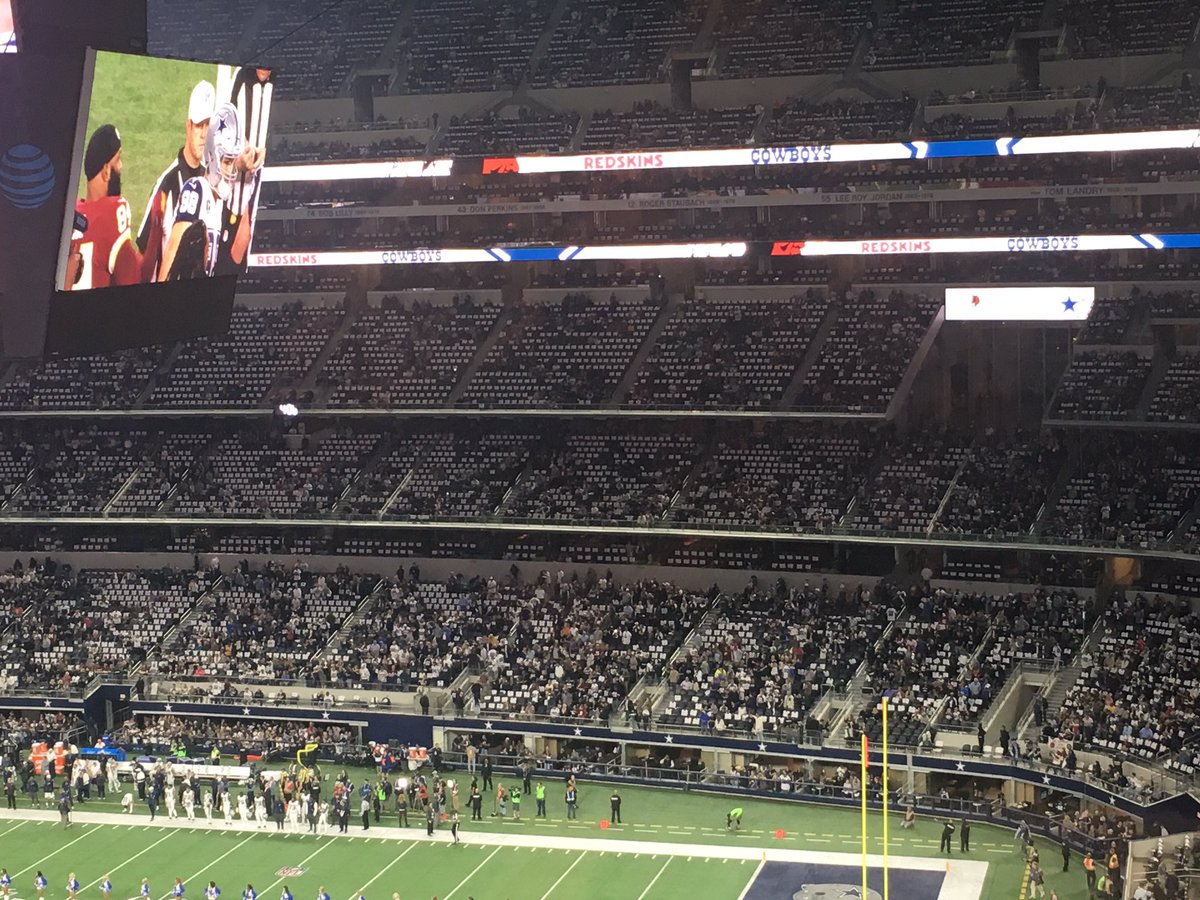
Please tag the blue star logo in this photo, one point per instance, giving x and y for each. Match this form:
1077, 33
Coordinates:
1068, 305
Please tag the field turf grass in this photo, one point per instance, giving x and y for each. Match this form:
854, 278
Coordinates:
147, 100
520, 863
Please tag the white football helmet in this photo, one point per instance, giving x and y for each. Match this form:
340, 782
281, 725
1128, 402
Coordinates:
224, 145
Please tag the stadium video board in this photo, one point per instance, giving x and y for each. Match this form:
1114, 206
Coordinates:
168, 161
8, 28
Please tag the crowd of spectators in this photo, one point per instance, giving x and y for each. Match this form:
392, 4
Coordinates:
1126, 490
920, 663
729, 351
562, 354
529, 131
802, 478
1136, 694
92, 622
863, 360
1042, 626
407, 354
263, 623
1102, 385
580, 645
158, 733
627, 478
1002, 486
650, 126
20, 728
420, 634
1177, 396
763, 658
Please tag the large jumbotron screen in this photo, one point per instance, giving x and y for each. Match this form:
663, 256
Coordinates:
168, 160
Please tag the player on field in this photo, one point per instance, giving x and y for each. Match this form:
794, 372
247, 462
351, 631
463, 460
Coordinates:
227, 808
172, 802
189, 803
260, 811
108, 254
159, 216
206, 801
223, 198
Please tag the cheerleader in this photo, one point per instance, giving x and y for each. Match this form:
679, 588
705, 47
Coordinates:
72, 886
39, 885
106, 887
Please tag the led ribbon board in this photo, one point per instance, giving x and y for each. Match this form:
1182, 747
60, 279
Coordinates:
1019, 304
727, 250
426, 256
800, 155
1059, 243
797, 155
350, 171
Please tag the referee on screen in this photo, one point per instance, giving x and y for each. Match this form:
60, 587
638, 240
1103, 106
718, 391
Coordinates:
159, 217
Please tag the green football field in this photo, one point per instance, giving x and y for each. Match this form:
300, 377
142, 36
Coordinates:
147, 100
672, 845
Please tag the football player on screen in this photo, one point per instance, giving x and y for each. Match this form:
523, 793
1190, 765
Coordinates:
108, 254
232, 172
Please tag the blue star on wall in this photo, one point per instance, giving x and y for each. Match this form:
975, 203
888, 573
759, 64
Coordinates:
1068, 305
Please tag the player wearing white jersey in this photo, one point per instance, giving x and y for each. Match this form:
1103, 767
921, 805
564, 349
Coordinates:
189, 804
172, 801
260, 811
243, 808
207, 802
227, 809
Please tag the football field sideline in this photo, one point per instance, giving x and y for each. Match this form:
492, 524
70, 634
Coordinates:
544, 865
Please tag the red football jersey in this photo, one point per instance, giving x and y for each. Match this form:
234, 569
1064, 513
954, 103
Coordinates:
109, 255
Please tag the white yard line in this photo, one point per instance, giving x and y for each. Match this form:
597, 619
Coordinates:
14, 828
654, 880
128, 861
208, 866
578, 860
38, 864
279, 881
753, 878
378, 874
472, 875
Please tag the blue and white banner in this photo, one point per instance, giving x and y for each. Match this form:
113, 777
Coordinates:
1019, 304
